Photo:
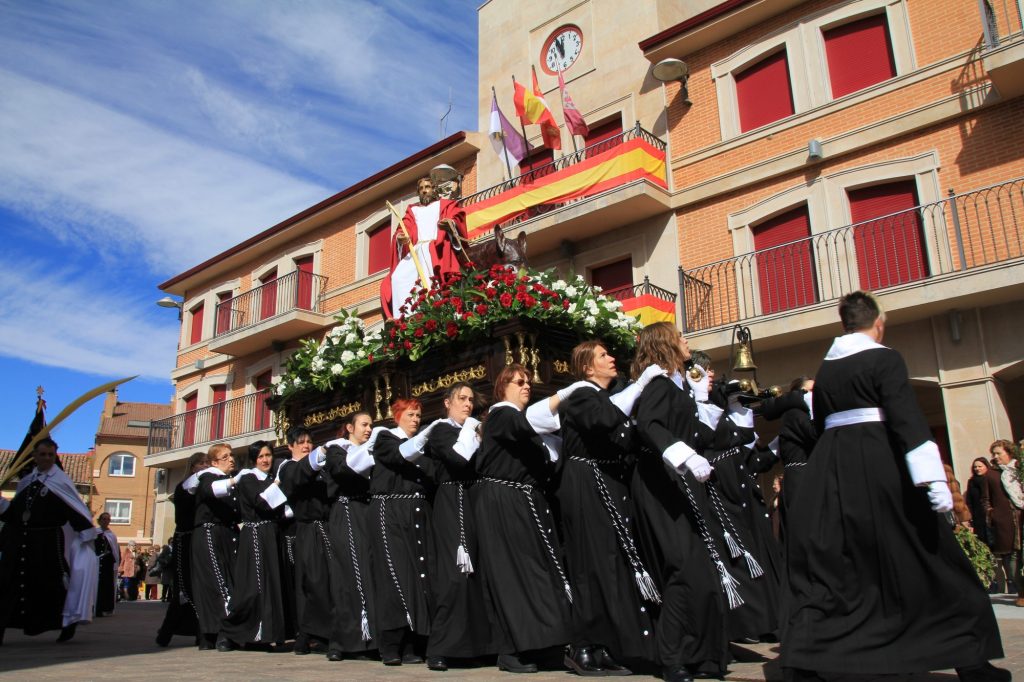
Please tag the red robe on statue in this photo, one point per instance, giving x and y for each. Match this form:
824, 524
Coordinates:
443, 259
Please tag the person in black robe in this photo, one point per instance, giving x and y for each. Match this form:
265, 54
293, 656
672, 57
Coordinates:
672, 511
459, 627
400, 486
519, 551
307, 495
614, 597
214, 544
47, 546
877, 581
257, 615
345, 464
109, 555
180, 617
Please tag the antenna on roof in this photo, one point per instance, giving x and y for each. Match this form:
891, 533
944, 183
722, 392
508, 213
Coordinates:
443, 123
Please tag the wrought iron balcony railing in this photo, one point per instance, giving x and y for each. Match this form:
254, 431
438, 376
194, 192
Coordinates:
961, 232
228, 419
1002, 20
298, 290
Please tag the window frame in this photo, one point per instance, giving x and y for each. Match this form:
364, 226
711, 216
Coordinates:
114, 520
120, 455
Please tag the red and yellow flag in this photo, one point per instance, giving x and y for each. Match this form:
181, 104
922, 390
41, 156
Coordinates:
532, 109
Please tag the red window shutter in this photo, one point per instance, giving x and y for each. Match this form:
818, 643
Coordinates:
197, 324
224, 303
217, 409
262, 417
380, 249
188, 433
604, 137
785, 270
268, 295
535, 163
859, 54
890, 250
304, 290
763, 93
614, 277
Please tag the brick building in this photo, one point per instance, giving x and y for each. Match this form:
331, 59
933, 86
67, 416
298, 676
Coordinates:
795, 151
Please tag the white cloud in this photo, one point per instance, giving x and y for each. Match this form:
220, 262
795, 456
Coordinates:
57, 318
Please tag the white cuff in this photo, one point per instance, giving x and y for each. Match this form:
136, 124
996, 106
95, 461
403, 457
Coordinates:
88, 534
752, 444
925, 464
709, 414
774, 446
317, 458
274, 496
541, 418
359, 460
677, 453
626, 398
553, 444
190, 484
288, 513
4, 504
741, 416
411, 450
222, 487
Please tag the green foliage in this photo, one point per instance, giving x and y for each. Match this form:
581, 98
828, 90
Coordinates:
978, 553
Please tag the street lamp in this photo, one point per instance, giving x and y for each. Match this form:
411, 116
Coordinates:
168, 302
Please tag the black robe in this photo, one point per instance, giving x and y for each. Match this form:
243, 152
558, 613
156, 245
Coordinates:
257, 608
877, 581
311, 549
214, 544
796, 442
519, 551
975, 497
33, 569
402, 542
351, 574
670, 511
181, 618
600, 551
106, 584
460, 625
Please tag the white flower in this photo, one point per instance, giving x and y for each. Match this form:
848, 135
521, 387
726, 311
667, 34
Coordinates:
590, 320
571, 309
615, 323
347, 356
592, 307
336, 369
350, 339
360, 353
297, 381
336, 332
570, 291
596, 289
279, 389
614, 304
318, 364
276, 380
559, 285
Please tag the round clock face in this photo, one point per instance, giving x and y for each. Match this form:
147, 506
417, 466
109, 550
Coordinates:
562, 49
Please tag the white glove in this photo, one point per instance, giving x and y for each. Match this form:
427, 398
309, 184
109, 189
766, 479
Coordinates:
648, 374
940, 496
413, 448
699, 467
468, 442
700, 387
564, 393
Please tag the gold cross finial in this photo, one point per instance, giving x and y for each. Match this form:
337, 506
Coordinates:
39, 391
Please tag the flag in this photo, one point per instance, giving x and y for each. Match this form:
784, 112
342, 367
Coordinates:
531, 108
573, 118
38, 422
506, 140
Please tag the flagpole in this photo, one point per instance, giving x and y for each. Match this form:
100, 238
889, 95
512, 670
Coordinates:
508, 165
522, 127
561, 93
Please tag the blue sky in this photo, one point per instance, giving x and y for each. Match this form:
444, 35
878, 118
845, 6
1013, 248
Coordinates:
139, 138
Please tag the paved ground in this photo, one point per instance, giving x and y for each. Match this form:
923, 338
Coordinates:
122, 648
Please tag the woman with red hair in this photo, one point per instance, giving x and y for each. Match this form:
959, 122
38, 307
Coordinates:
400, 514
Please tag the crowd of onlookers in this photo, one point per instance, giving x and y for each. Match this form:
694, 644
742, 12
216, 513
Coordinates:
144, 573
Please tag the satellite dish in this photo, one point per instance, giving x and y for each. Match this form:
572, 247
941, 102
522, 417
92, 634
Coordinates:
671, 69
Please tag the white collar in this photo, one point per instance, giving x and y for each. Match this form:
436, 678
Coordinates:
211, 470
260, 475
399, 432
851, 344
504, 403
677, 379
449, 420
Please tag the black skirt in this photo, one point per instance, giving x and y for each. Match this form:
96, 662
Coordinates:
181, 618
257, 612
401, 545
213, 560
350, 576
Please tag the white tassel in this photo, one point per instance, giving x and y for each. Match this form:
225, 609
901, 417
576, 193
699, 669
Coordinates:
568, 592
734, 548
729, 585
408, 619
365, 625
647, 589
259, 632
462, 560
755, 568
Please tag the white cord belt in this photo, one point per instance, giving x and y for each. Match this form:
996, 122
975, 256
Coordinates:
861, 415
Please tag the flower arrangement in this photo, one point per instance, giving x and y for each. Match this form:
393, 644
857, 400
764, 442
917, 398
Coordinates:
463, 307
980, 555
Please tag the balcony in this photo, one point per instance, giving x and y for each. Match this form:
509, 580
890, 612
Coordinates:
279, 310
623, 177
238, 421
1003, 47
962, 251
646, 301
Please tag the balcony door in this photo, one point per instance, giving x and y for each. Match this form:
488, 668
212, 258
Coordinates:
785, 262
268, 295
262, 418
304, 290
219, 394
188, 430
615, 279
603, 137
890, 250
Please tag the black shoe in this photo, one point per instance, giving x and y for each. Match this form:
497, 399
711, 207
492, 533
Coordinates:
225, 644
206, 645
410, 658
984, 673
581, 660
676, 673
608, 664
67, 633
511, 663
162, 638
439, 663
334, 655
390, 658
301, 647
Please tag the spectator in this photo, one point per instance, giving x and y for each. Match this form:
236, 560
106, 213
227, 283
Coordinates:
129, 583
977, 500
140, 574
166, 571
153, 572
1005, 453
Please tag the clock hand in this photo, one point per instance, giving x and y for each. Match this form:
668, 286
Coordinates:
560, 47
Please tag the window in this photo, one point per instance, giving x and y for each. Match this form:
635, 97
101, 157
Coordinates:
224, 301
120, 511
889, 243
380, 248
268, 295
614, 277
535, 165
197, 323
121, 464
304, 289
188, 432
785, 267
606, 136
217, 411
859, 54
263, 419
763, 92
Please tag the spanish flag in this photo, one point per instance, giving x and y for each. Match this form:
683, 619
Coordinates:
531, 108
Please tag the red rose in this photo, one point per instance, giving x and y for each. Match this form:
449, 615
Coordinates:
431, 325
391, 346
418, 317
457, 302
565, 303
546, 305
407, 344
393, 332
529, 301
521, 289
491, 292
452, 330
506, 300
438, 303
418, 333
403, 326
481, 309
369, 357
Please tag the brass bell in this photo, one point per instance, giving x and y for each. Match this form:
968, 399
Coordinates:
775, 391
747, 386
744, 358
695, 373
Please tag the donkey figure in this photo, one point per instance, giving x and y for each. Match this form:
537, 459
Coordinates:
498, 251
